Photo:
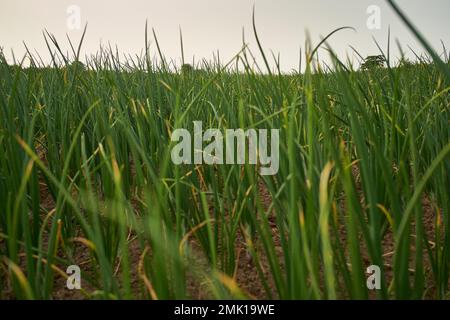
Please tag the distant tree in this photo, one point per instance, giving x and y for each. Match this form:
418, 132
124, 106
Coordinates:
373, 62
405, 63
77, 65
186, 69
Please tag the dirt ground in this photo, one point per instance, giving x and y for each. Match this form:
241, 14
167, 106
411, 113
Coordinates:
246, 274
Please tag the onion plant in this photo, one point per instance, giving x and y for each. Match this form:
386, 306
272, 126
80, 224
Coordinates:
86, 177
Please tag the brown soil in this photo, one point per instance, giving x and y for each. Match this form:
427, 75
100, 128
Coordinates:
246, 274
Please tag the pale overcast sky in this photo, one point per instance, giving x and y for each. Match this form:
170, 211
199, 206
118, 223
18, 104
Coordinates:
210, 25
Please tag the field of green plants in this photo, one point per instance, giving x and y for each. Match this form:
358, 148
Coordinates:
86, 178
